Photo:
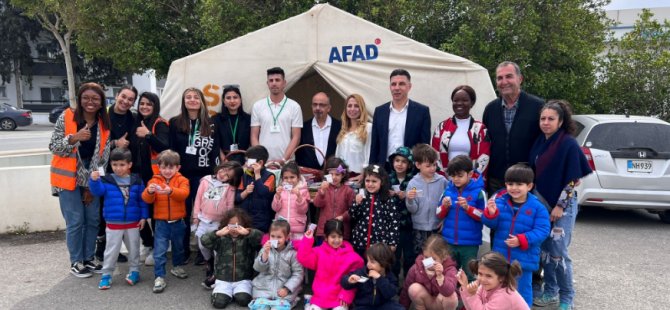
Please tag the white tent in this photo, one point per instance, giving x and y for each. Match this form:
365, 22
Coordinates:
326, 49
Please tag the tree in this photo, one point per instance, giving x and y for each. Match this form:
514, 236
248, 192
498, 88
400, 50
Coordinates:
634, 75
59, 17
554, 42
16, 31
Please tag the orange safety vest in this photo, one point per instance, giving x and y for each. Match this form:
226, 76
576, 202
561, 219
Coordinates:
154, 154
64, 169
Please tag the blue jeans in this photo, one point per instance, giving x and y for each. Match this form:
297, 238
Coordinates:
556, 260
165, 234
81, 224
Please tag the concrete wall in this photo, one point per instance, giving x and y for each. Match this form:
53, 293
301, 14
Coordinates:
26, 198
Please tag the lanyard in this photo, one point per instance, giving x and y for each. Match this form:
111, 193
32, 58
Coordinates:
274, 118
191, 137
233, 129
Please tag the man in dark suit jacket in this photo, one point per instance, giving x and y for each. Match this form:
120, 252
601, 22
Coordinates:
320, 131
400, 122
513, 123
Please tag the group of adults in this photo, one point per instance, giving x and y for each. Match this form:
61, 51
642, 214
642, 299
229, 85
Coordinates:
516, 127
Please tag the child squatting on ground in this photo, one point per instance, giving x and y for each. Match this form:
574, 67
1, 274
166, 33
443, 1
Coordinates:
521, 224
125, 214
168, 191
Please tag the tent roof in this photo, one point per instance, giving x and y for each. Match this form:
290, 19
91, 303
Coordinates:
311, 42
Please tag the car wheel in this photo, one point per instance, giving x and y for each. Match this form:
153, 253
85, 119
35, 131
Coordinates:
665, 216
7, 124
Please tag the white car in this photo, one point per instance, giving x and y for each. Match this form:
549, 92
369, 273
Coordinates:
630, 157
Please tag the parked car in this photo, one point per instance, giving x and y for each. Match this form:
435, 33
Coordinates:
630, 157
12, 117
57, 111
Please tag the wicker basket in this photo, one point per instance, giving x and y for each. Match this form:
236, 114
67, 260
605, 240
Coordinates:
306, 172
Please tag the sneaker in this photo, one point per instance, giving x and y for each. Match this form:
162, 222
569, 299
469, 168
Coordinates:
545, 300
179, 272
564, 306
159, 285
149, 261
80, 271
208, 283
133, 277
199, 260
93, 266
122, 258
105, 282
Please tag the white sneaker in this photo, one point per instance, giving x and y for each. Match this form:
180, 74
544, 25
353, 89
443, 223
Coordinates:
149, 261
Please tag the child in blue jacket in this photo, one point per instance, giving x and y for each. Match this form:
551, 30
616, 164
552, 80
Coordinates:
462, 207
257, 189
125, 214
521, 224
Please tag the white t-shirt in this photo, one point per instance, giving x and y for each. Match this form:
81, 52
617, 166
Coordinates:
263, 114
320, 136
353, 151
397, 122
459, 144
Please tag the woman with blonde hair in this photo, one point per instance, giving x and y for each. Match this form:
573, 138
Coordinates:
353, 141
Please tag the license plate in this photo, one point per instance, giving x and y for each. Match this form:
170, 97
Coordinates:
639, 166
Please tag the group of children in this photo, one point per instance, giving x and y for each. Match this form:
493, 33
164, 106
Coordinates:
255, 234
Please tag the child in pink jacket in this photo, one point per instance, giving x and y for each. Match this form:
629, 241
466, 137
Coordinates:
216, 195
495, 287
292, 200
331, 260
334, 197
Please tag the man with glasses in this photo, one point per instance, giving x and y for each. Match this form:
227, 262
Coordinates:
320, 131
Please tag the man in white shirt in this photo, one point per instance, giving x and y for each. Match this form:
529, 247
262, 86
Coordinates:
276, 120
400, 122
320, 131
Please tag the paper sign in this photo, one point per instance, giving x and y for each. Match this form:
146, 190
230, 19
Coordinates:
101, 170
361, 192
251, 161
396, 188
363, 279
288, 187
274, 243
329, 178
311, 227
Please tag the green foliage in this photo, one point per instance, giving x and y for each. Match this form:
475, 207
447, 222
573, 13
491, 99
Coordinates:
634, 75
554, 42
16, 31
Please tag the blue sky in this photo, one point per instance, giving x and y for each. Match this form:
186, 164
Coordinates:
636, 4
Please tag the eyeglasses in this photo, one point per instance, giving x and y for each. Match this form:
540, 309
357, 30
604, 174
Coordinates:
93, 99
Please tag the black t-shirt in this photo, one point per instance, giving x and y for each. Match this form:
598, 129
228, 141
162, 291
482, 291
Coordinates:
202, 161
86, 148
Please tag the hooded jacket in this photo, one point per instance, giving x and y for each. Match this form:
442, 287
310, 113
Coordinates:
530, 224
168, 207
286, 205
330, 265
423, 208
282, 269
417, 274
116, 210
234, 257
214, 198
461, 227
334, 201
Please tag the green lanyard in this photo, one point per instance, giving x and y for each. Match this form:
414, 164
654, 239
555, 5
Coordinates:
233, 130
274, 118
191, 137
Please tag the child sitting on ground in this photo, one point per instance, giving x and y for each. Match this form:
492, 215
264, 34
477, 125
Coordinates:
375, 284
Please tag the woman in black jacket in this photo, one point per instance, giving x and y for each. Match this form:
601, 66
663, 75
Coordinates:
233, 125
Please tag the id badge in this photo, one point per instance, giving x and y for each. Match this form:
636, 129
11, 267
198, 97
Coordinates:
234, 147
274, 129
191, 150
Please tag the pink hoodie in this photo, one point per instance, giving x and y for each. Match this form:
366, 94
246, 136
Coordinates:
287, 206
213, 199
499, 298
330, 265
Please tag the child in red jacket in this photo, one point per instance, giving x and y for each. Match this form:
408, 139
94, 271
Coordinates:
334, 197
431, 282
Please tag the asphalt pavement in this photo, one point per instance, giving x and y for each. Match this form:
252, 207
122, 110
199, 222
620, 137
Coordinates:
29, 138
621, 261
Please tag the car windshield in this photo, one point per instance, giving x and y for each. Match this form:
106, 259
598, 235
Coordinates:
621, 136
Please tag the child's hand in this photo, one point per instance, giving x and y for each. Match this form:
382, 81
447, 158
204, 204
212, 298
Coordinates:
282, 292
151, 189
472, 287
309, 233
391, 193
374, 274
95, 175
439, 269
250, 189
266, 251
462, 278
339, 218
242, 231
279, 190
323, 187
359, 199
401, 195
165, 190
295, 190
512, 241
463, 202
491, 206
142, 223
257, 168
411, 194
446, 201
223, 231
353, 279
